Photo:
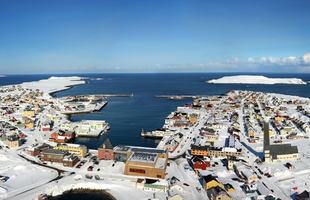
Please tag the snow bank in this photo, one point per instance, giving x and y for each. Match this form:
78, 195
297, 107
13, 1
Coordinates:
54, 84
2, 191
223, 173
3, 158
20, 168
280, 174
250, 79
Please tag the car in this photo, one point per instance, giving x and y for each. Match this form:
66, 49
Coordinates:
88, 176
237, 179
185, 184
90, 168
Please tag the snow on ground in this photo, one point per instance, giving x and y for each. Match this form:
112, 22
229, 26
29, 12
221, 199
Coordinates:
251, 79
120, 187
117, 189
22, 175
54, 84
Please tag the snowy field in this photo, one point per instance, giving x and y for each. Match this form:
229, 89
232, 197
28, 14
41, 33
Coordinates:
21, 174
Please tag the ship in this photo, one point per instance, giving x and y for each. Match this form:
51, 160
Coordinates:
158, 133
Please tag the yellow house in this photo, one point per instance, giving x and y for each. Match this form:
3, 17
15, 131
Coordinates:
193, 118
79, 150
28, 113
279, 119
251, 133
13, 141
211, 182
229, 188
28, 123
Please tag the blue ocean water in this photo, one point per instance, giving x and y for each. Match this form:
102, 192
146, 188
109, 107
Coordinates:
128, 115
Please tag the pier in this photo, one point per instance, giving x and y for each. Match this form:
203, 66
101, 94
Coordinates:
177, 97
99, 95
117, 95
97, 107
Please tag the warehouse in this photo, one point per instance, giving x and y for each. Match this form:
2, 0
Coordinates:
148, 162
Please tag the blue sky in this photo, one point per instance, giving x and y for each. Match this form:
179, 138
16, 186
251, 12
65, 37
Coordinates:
70, 36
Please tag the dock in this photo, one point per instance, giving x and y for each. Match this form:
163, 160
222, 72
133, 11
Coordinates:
82, 104
99, 95
177, 97
95, 108
116, 95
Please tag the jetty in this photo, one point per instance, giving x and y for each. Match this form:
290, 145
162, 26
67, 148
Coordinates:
177, 97
82, 104
117, 95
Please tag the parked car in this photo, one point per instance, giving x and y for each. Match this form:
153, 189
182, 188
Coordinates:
90, 168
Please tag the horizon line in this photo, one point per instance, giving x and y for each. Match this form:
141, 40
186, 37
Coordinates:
72, 73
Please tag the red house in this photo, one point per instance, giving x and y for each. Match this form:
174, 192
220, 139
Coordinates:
106, 151
198, 163
62, 137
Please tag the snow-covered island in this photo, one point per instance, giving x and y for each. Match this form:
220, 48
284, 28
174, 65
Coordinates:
252, 79
54, 84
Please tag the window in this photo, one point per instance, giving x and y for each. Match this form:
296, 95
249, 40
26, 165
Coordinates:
140, 171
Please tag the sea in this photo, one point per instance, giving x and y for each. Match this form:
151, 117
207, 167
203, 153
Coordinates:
127, 116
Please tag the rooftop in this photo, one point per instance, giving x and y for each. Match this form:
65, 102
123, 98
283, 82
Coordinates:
143, 157
282, 149
54, 151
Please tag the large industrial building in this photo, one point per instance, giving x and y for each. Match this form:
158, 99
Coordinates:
148, 162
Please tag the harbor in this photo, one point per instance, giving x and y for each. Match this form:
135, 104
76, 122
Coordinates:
208, 137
